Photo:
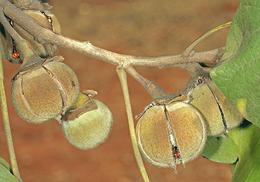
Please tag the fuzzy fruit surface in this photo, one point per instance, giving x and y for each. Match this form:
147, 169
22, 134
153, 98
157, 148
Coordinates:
89, 129
44, 91
184, 130
219, 113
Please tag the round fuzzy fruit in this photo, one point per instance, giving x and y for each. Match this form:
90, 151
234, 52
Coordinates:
171, 134
44, 91
87, 127
219, 113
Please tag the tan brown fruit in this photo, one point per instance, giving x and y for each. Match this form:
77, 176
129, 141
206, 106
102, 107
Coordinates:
44, 91
88, 126
219, 113
172, 134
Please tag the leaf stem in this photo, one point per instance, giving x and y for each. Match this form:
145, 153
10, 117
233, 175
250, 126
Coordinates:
123, 81
191, 47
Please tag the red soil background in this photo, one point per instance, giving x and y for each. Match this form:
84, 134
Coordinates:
148, 28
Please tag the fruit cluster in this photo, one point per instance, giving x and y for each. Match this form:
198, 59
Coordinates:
169, 133
175, 131
46, 88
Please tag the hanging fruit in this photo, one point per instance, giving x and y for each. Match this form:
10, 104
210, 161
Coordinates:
88, 124
44, 89
218, 112
171, 134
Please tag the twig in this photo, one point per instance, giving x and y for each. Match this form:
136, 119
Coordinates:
191, 47
9, 28
123, 80
47, 36
20, 42
6, 123
196, 69
153, 89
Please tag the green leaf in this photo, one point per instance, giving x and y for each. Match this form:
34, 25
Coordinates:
4, 163
5, 172
239, 75
221, 149
247, 139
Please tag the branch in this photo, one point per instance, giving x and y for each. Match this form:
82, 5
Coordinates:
47, 36
153, 89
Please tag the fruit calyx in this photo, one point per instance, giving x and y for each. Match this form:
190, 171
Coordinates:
84, 104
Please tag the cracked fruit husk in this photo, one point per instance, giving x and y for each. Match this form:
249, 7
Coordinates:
44, 90
220, 115
171, 134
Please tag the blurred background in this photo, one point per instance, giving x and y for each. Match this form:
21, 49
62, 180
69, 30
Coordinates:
137, 27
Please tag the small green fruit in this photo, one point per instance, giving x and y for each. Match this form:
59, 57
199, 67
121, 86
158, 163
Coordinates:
87, 127
44, 90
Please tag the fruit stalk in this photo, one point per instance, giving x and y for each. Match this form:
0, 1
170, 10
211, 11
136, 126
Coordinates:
123, 81
6, 124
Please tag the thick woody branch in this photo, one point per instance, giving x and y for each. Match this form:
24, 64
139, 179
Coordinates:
47, 36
